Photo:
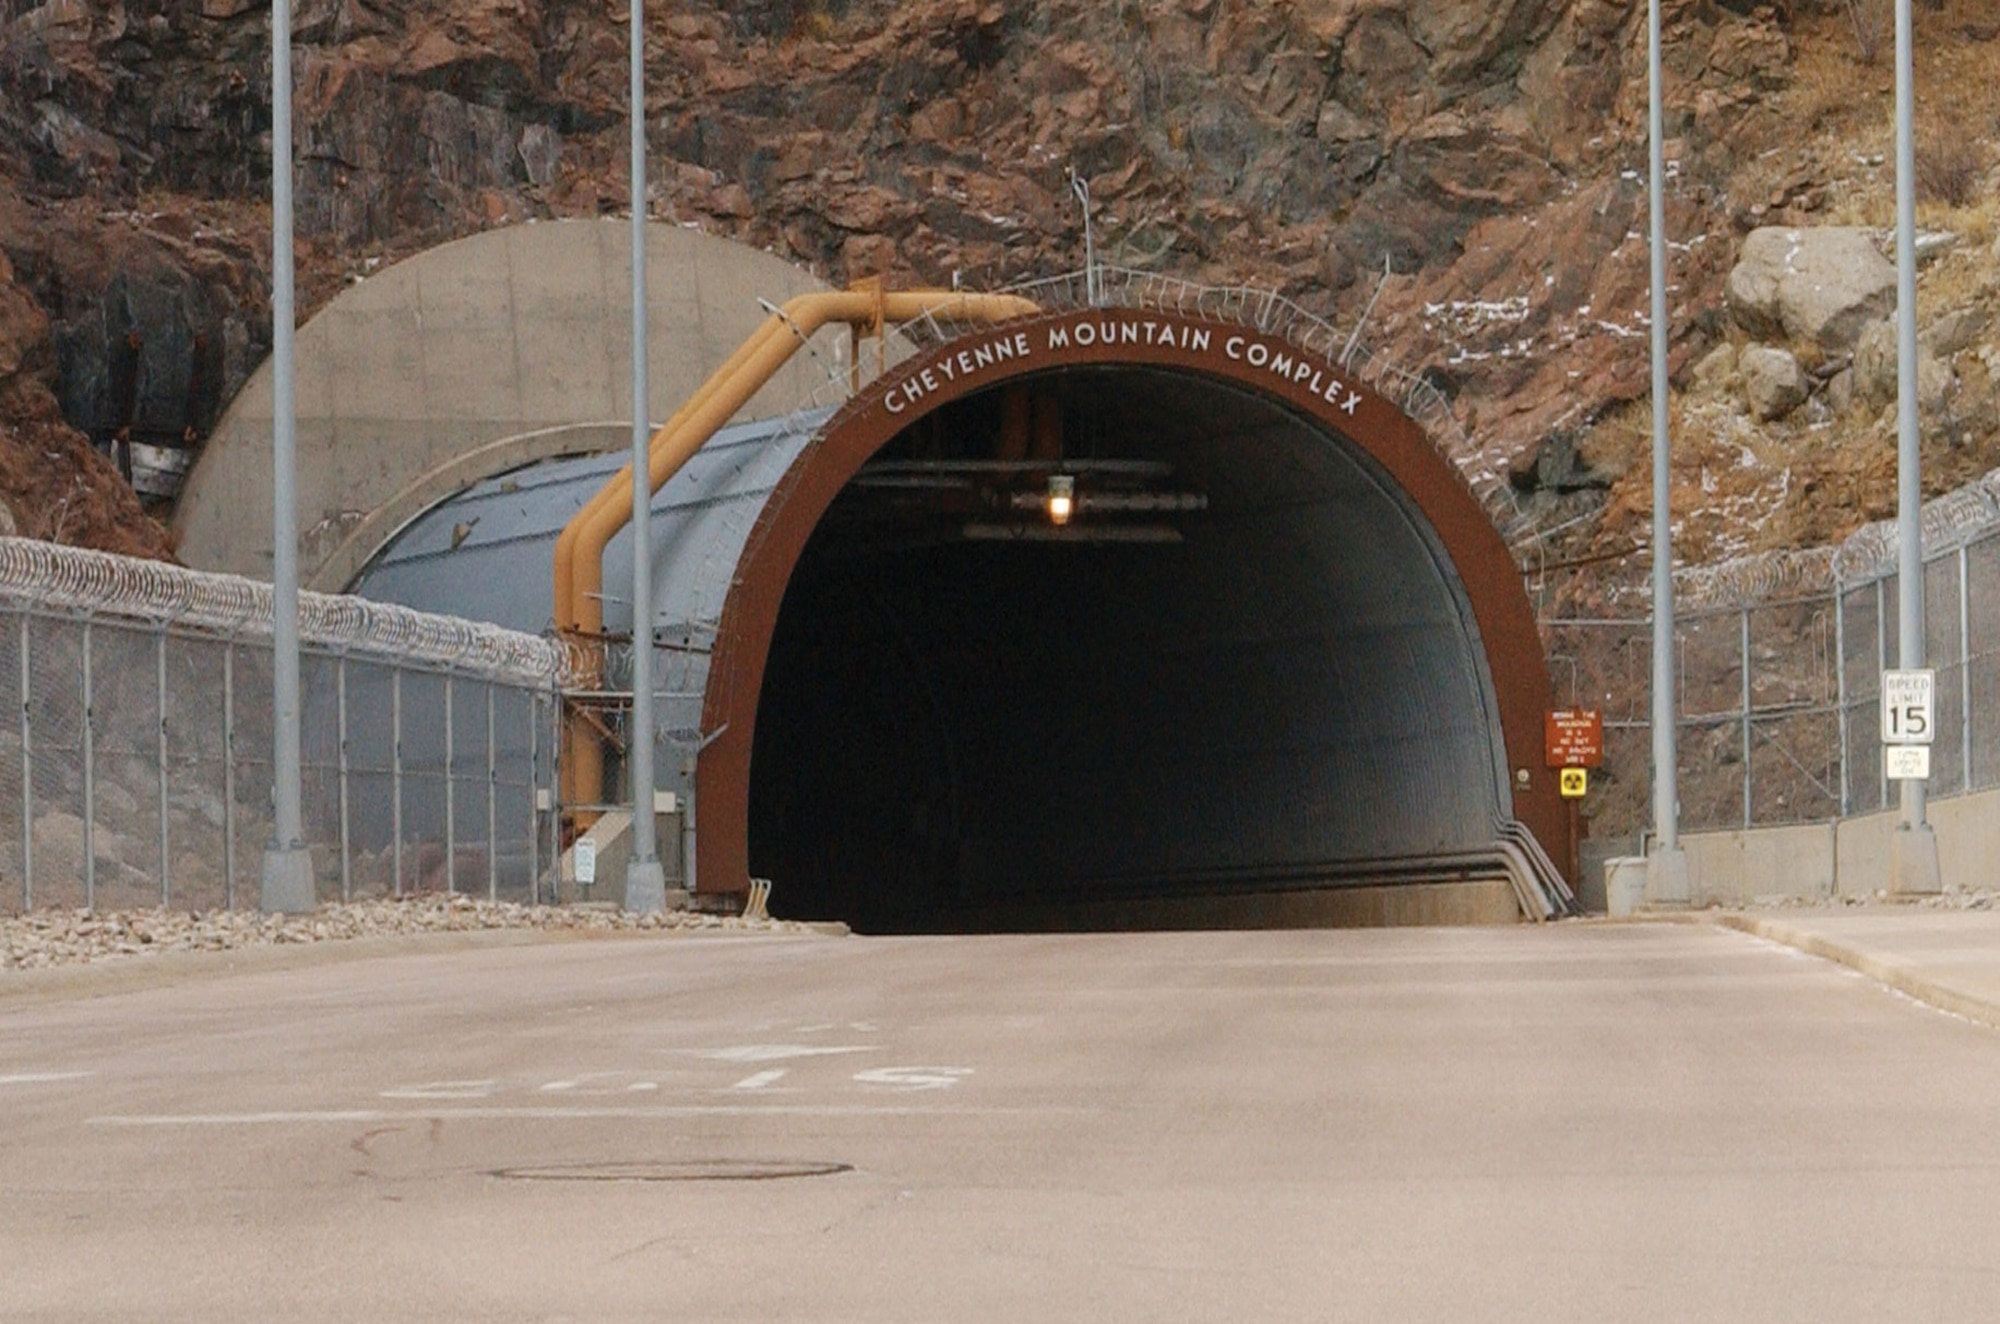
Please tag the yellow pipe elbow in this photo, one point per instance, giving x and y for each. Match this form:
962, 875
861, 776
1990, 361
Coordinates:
579, 551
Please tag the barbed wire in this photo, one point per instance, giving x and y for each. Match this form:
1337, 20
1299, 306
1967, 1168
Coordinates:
47, 577
1958, 518
1748, 580
1954, 519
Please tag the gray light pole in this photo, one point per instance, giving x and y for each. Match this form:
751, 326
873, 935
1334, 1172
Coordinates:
1666, 863
645, 880
1913, 853
287, 874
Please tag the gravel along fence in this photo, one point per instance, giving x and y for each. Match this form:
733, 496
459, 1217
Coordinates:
75, 937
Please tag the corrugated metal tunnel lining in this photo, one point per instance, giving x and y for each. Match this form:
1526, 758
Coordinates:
1278, 690
1283, 647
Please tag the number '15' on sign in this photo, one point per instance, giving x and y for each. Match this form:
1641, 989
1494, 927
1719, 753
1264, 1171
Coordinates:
1909, 707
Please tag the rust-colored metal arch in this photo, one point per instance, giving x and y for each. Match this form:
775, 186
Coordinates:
1265, 364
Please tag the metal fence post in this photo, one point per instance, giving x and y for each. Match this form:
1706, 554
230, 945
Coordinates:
450, 793
340, 736
555, 719
229, 775
1840, 684
89, 783
1743, 655
1881, 665
160, 676
27, 772
492, 805
1964, 672
396, 771
534, 798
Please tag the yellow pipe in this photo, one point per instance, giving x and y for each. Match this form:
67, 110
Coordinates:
619, 489
582, 774
579, 555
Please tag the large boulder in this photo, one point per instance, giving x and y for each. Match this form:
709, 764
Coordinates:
1714, 371
1773, 383
1821, 285
1957, 330
1875, 369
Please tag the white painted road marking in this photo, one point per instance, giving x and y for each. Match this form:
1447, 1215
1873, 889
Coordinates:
446, 1089
760, 1080
41, 1077
777, 1052
601, 1083
574, 1114
914, 1078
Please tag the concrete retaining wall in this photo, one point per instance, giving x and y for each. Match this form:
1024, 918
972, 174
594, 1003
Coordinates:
519, 334
1846, 858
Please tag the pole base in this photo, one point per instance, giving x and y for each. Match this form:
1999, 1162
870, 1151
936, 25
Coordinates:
287, 881
1667, 877
645, 887
1913, 861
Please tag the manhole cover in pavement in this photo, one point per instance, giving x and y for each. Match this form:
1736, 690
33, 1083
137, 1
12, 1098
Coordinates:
676, 1170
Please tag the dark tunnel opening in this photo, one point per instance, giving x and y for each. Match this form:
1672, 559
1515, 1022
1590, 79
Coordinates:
1243, 667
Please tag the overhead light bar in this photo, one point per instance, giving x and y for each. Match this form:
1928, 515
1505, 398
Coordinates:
1089, 533
1062, 498
1122, 502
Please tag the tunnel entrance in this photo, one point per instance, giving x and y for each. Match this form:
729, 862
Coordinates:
1245, 668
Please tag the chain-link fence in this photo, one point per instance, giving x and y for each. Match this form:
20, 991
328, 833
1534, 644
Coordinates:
1778, 675
138, 769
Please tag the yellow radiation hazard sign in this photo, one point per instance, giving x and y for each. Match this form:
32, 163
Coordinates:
1575, 783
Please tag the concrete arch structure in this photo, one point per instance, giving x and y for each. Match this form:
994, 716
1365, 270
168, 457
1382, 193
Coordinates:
472, 358
1323, 696
1476, 649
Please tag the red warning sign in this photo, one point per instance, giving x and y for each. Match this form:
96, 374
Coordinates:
1574, 737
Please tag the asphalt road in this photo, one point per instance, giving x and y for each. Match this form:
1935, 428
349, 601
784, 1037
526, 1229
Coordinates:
1602, 1123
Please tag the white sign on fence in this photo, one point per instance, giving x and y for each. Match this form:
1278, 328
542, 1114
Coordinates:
1909, 708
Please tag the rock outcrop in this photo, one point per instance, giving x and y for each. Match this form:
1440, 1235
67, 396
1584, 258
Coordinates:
1773, 383
1821, 285
1487, 154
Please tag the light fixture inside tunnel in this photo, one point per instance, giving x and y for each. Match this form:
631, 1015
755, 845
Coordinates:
1062, 499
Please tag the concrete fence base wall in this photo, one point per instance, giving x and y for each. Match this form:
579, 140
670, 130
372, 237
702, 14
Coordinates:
1847, 858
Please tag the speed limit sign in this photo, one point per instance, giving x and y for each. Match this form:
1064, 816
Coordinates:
1909, 707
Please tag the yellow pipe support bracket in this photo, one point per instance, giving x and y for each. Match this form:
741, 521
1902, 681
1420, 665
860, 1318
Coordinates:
579, 554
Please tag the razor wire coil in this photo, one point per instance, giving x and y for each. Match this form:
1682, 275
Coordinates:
80, 582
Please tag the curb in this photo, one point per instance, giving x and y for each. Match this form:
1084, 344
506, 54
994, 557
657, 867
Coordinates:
1887, 971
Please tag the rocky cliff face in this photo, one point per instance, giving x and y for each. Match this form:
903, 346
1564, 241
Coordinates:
1488, 154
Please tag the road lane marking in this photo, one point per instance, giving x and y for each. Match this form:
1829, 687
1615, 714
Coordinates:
760, 1080
778, 1052
41, 1077
290, 1118
591, 1083
446, 1089
913, 1078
